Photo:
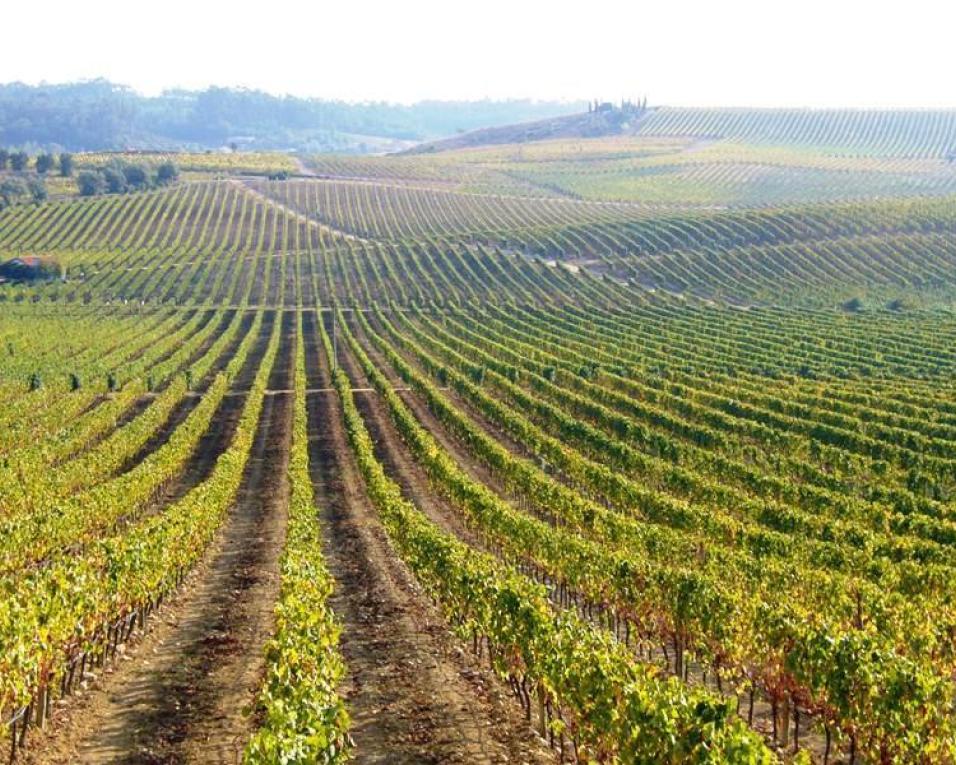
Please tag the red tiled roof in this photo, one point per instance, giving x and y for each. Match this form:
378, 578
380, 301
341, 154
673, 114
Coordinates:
31, 261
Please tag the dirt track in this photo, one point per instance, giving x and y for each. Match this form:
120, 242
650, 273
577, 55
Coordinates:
183, 693
415, 696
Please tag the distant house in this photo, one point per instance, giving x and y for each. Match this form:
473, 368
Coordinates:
29, 268
25, 261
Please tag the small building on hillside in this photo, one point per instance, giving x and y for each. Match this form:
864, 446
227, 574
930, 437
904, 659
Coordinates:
26, 268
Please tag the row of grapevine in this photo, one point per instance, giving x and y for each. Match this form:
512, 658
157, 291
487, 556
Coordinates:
53, 512
303, 717
918, 133
612, 708
62, 613
204, 215
867, 726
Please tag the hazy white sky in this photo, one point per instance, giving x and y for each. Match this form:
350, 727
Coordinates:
688, 52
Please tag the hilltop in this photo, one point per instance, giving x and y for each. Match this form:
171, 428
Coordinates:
600, 120
924, 133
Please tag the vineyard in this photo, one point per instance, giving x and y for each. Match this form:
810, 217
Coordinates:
893, 133
636, 449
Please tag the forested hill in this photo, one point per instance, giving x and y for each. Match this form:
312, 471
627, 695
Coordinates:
99, 115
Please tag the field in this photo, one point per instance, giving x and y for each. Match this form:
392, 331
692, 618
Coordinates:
626, 449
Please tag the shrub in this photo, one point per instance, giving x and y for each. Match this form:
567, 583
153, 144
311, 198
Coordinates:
167, 172
91, 183
66, 165
44, 163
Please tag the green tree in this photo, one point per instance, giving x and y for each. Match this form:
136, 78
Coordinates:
37, 189
44, 163
167, 172
115, 180
18, 161
91, 183
4, 158
66, 165
136, 176
854, 305
11, 190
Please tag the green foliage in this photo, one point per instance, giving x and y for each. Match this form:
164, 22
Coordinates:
611, 704
166, 173
854, 305
18, 161
900, 304
90, 183
37, 189
44, 163
66, 164
114, 179
12, 190
82, 582
135, 176
100, 115
303, 717
118, 177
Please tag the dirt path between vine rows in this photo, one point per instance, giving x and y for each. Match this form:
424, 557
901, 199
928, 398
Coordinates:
414, 694
183, 693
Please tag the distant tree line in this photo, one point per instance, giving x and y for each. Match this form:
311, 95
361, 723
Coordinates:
43, 163
119, 177
18, 184
99, 115
15, 189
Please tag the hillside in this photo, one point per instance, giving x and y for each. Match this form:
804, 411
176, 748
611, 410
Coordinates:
817, 253
641, 448
918, 133
592, 124
886, 132
103, 116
